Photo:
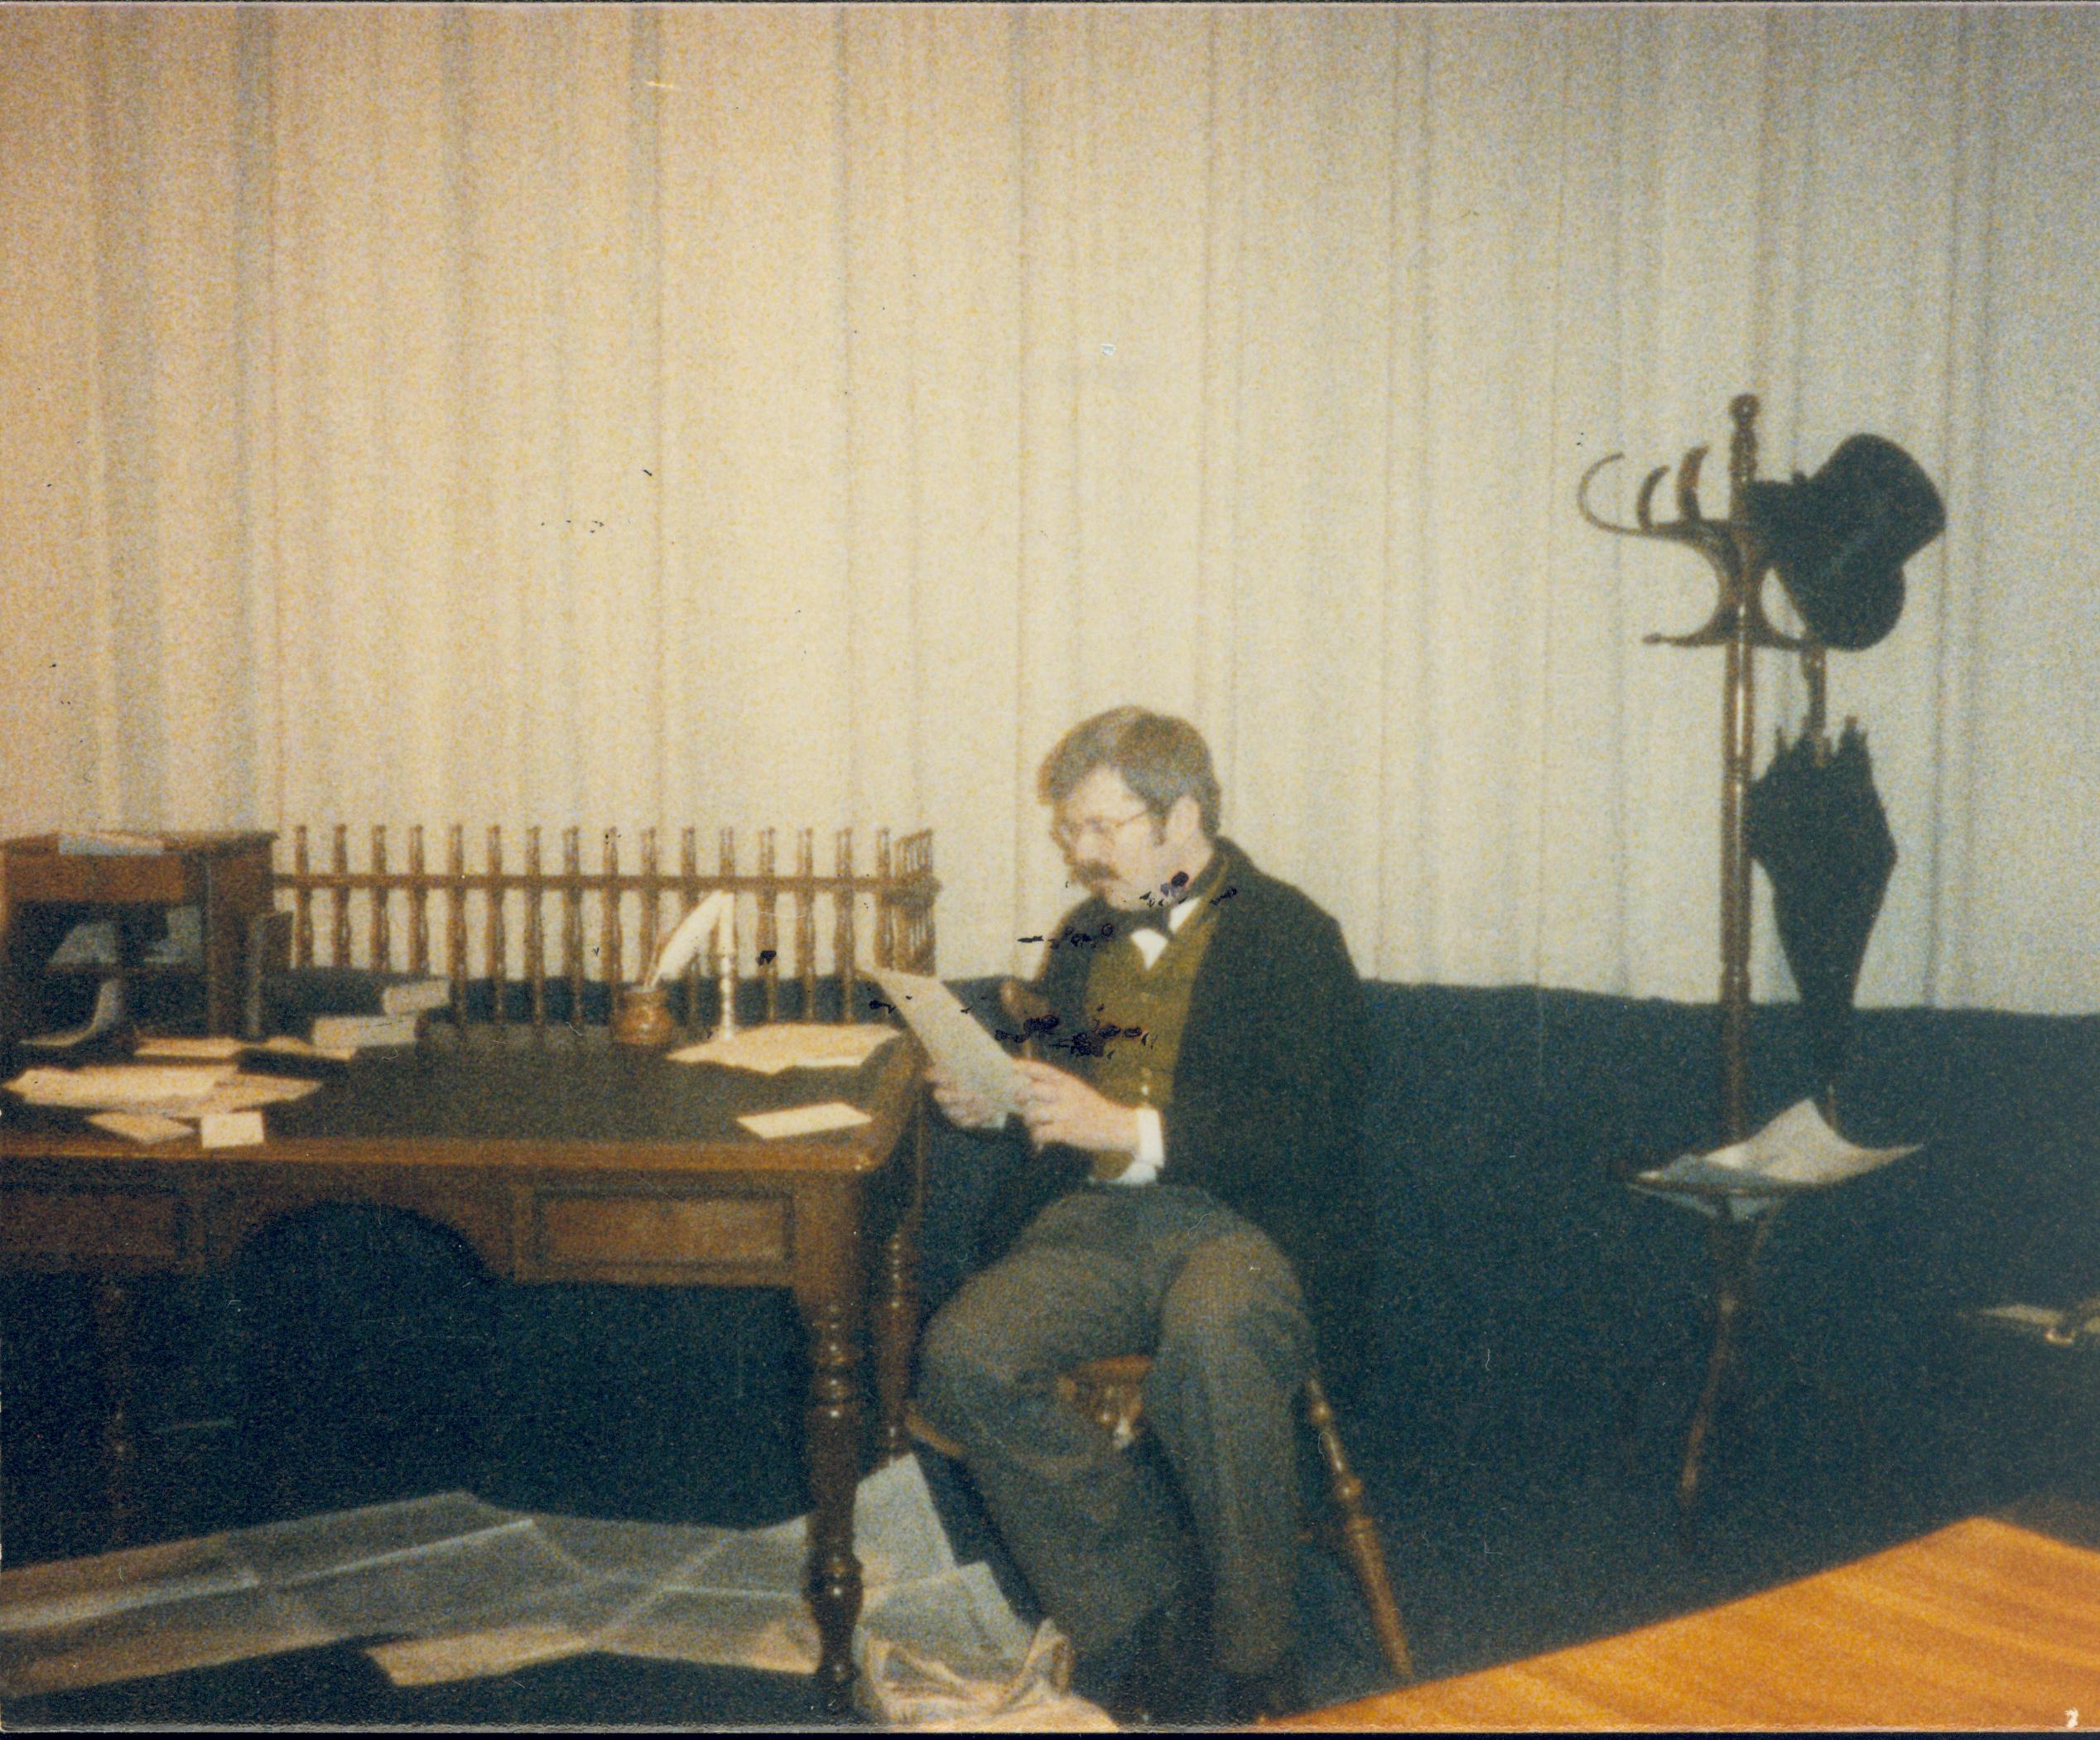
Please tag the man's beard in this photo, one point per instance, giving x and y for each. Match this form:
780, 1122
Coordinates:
1093, 877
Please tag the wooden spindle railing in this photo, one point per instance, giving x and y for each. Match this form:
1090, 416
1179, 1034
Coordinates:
892, 907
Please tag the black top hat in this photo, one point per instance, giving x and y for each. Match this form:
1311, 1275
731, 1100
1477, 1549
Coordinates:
1839, 539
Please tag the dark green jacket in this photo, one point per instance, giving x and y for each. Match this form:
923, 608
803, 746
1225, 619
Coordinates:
1268, 1090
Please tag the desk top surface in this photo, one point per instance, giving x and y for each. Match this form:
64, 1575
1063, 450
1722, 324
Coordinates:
491, 1091
1983, 1624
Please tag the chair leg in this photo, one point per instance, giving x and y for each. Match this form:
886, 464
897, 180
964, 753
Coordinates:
1360, 1539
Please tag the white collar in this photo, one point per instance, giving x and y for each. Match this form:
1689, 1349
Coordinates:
1152, 941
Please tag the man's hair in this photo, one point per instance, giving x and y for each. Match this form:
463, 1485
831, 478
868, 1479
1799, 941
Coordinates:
1162, 759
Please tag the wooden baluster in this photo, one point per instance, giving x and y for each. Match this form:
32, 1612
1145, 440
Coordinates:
806, 918
339, 927
842, 936
455, 919
535, 931
382, 897
419, 907
497, 962
651, 894
769, 924
608, 935
894, 924
885, 901
572, 922
924, 942
726, 859
688, 898
302, 902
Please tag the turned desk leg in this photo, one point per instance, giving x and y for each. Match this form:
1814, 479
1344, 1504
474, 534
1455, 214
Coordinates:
896, 1331
834, 1453
897, 1316
112, 1333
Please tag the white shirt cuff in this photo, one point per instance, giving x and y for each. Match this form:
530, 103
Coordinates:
1152, 1150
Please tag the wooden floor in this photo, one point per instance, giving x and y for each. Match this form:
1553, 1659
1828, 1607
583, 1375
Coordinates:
1987, 1624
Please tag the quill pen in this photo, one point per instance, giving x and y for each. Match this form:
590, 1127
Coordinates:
703, 921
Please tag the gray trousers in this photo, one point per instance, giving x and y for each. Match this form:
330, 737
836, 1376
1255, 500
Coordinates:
1153, 1269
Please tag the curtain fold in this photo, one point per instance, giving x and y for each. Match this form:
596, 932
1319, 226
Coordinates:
791, 416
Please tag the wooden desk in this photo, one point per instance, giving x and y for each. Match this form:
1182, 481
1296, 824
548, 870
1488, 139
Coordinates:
1983, 1624
44, 892
559, 1158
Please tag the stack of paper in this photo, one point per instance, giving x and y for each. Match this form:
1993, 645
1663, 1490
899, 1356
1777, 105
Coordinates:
153, 1100
468, 1589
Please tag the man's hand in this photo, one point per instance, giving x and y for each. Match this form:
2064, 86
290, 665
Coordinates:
1057, 1106
962, 1107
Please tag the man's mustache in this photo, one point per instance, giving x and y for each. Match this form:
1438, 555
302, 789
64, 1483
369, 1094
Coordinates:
1091, 873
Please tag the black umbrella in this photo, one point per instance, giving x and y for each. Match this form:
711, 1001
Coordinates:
1813, 820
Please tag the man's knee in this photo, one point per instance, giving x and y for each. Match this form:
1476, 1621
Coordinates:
968, 1360
1237, 1302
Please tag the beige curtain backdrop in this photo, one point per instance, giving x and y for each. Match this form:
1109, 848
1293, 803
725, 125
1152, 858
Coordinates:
796, 416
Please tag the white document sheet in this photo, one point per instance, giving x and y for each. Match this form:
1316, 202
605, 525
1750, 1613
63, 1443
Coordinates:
781, 1045
1797, 1151
952, 1036
803, 1119
144, 1127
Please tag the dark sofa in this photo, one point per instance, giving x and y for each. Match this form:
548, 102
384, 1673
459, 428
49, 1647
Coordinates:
1532, 1337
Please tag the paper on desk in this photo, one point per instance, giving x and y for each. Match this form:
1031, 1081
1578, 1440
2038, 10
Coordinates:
230, 1129
243, 1093
355, 1032
236, 1093
293, 1046
803, 1119
214, 1048
1797, 1149
140, 1126
115, 1087
781, 1045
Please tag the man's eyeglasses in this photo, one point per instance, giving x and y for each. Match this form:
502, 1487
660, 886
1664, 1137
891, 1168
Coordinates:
1071, 834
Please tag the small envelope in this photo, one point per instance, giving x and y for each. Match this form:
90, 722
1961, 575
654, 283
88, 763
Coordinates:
804, 1120
230, 1129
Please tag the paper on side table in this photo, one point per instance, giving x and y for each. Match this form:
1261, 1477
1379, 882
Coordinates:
1797, 1151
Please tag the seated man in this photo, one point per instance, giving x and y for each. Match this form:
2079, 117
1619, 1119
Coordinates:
1196, 1160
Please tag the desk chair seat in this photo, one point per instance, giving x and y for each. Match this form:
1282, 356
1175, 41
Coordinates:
1110, 1393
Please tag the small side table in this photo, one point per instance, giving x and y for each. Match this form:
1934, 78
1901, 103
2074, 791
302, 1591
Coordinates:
1740, 1219
45, 891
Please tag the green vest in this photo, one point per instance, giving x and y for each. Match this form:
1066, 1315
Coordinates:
1136, 1068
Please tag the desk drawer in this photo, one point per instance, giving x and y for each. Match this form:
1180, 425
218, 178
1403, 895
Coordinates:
607, 1234
90, 1229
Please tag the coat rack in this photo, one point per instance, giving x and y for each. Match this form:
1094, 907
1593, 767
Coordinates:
1736, 552
1739, 626
1814, 820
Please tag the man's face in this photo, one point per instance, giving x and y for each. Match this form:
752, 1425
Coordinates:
1115, 847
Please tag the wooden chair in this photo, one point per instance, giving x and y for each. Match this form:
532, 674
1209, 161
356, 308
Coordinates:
1110, 1393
